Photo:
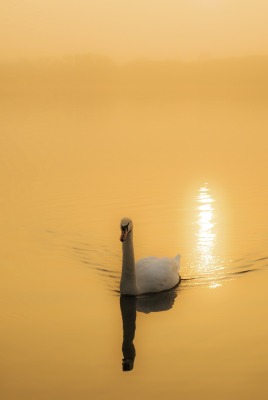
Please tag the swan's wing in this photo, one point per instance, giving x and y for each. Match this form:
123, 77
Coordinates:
156, 274
165, 264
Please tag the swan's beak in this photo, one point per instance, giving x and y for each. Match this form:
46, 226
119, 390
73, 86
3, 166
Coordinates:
123, 235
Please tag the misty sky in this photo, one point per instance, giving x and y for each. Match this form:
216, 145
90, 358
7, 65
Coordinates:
127, 29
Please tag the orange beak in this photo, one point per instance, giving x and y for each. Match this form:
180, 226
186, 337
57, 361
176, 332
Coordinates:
123, 235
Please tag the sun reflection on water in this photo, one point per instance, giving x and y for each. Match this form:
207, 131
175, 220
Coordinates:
206, 234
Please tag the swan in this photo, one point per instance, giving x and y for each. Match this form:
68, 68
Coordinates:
148, 275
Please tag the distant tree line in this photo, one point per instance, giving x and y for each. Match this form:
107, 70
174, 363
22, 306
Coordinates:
93, 75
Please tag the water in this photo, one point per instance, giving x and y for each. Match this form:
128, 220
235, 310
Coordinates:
193, 177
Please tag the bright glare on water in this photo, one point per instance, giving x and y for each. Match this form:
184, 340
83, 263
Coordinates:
205, 261
206, 235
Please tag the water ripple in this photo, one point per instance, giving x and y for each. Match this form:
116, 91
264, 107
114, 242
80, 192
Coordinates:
217, 276
105, 261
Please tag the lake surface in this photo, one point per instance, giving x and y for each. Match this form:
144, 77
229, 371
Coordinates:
193, 177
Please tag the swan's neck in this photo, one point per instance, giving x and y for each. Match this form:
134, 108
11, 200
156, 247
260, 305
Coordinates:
128, 278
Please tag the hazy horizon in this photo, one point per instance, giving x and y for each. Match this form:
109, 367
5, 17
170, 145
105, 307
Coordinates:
91, 76
205, 58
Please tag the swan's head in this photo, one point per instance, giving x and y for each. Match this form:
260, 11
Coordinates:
127, 364
126, 226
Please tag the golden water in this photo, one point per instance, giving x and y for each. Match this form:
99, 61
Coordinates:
193, 177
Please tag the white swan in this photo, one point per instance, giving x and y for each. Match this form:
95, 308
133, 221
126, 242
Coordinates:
149, 274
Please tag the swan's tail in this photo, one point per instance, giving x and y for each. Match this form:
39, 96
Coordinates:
177, 260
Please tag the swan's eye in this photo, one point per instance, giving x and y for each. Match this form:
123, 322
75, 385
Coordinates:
125, 227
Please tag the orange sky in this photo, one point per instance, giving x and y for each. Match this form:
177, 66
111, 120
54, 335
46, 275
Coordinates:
127, 29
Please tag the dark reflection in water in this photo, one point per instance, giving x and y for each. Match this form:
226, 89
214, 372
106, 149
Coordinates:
129, 306
161, 301
128, 311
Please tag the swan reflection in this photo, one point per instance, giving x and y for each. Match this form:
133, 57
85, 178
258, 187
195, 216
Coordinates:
161, 301
128, 312
129, 306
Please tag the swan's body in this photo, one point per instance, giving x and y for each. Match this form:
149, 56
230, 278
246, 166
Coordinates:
149, 274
